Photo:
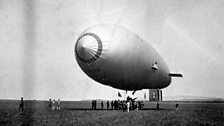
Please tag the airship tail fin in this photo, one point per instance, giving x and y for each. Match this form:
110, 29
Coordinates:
175, 75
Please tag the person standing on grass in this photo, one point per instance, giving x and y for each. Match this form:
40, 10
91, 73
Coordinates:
112, 104
177, 105
157, 106
93, 104
128, 106
53, 105
108, 104
58, 104
139, 105
50, 104
21, 105
115, 104
102, 104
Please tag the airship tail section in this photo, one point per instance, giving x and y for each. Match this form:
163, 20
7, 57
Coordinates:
175, 75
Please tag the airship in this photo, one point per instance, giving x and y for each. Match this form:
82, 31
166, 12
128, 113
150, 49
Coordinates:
115, 56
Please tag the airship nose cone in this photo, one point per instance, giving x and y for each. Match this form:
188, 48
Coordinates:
88, 47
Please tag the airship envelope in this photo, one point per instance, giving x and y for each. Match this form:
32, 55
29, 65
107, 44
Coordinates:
115, 56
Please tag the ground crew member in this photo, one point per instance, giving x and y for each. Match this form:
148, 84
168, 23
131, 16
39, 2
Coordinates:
108, 104
21, 105
177, 105
53, 105
50, 104
112, 104
58, 104
102, 104
128, 106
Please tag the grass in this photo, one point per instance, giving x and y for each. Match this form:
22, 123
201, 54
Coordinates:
78, 113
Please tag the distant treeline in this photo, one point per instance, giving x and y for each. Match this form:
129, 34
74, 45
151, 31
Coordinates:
198, 101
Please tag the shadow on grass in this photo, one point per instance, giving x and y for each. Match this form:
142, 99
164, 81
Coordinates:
161, 109
87, 109
144, 109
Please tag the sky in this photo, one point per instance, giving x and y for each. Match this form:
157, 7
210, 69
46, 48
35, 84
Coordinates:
37, 40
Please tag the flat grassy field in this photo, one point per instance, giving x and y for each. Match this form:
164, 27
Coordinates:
79, 113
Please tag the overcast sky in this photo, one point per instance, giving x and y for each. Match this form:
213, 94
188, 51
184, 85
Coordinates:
37, 45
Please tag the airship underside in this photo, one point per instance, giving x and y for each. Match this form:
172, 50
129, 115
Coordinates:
113, 55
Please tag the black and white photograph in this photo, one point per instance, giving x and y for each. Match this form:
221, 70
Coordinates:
111, 62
